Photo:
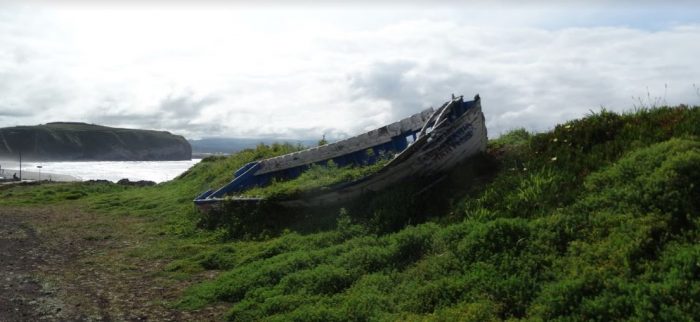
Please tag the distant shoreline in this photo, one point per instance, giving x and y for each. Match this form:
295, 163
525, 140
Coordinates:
156, 171
39, 176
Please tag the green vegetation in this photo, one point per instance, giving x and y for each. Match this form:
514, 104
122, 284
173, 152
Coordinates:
315, 177
597, 219
322, 141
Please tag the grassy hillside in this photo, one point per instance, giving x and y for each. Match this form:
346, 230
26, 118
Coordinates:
594, 220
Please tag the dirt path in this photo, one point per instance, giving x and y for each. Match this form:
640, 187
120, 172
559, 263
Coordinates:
19, 291
58, 264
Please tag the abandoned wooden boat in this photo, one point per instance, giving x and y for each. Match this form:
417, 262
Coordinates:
424, 144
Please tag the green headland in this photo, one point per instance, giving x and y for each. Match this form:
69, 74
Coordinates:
71, 141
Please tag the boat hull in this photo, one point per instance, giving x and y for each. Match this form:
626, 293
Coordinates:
450, 135
430, 155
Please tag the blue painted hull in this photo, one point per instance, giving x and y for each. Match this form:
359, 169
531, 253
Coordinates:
441, 139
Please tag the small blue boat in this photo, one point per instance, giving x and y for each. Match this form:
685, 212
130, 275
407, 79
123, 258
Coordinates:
424, 144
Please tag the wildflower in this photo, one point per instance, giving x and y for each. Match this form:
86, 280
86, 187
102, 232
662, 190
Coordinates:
568, 126
555, 140
524, 169
554, 159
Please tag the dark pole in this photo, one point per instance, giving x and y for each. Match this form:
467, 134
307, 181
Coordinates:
20, 165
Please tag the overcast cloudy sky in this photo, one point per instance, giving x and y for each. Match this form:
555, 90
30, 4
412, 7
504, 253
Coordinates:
302, 71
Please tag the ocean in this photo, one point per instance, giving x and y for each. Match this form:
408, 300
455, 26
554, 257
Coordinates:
157, 171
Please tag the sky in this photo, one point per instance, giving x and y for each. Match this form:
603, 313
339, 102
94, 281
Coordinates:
297, 70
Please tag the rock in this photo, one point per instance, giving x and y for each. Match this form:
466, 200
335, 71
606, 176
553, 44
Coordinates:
140, 183
100, 181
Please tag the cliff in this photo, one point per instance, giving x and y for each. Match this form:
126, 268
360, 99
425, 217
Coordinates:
68, 141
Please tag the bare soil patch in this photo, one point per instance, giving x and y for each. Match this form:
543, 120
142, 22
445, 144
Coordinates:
61, 264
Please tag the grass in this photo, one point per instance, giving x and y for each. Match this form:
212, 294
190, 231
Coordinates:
595, 220
315, 177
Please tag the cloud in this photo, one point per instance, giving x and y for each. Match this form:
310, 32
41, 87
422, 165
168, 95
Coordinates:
534, 78
180, 111
410, 87
185, 105
302, 74
9, 112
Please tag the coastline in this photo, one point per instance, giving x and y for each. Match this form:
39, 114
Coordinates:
38, 176
156, 171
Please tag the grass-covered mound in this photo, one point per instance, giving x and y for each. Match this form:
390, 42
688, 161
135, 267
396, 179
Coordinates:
594, 220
